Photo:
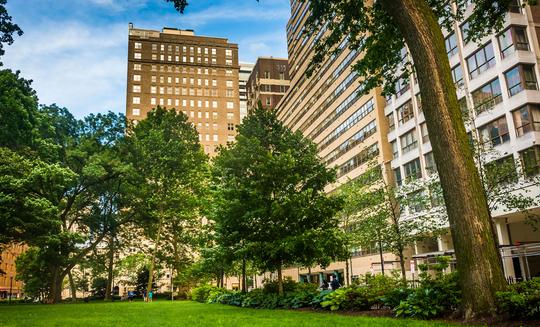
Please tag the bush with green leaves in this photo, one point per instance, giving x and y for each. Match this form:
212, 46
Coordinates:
271, 286
201, 293
302, 297
435, 296
521, 300
215, 295
318, 299
362, 297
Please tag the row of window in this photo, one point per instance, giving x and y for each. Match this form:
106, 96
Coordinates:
184, 91
183, 69
185, 59
185, 103
176, 48
350, 143
183, 80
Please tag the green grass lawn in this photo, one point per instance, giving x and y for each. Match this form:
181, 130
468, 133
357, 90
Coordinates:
179, 313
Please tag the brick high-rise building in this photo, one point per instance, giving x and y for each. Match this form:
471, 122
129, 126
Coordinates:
8, 283
268, 82
245, 72
197, 75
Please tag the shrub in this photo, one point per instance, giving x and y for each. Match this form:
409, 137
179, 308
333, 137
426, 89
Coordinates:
232, 298
318, 299
214, 296
362, 297
521, 300
271, 286
302, 297
201, 293
434, 296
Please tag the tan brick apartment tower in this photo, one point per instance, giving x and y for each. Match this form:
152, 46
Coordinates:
268, 82
349, 129
197, 75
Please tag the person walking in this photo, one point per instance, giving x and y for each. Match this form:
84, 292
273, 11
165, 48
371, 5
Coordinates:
334, 283
150, 295
324, 285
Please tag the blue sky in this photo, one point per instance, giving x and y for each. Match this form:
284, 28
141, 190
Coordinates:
75, 51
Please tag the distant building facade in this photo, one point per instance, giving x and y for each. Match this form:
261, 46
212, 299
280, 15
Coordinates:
268, 82
197, 75
8, 272
245, 72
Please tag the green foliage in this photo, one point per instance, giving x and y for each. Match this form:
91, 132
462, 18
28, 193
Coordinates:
32, 270
99, 286
201, 293
271, 286
271, 207
7, 28
362, 297
521, 300
435, 296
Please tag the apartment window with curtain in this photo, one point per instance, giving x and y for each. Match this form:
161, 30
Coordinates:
530, 161
431, 167
512, 39
481, 60
527, 119
515, 6
519, 78
465, 31
409, 142
397, 176
405, 113
424, 133
419, 102
395, 150
495, 132
487, 96
402, 86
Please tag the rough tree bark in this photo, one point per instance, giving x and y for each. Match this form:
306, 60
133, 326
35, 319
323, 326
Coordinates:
477, 259
154, 252
280, 280
244, 286
72, 287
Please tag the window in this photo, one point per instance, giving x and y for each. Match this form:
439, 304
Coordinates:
137, 55
495, 132
136, 112
161, 102
229, 83
530, 159
457, 75
402, 86
214, 104
154, 78
408, 142
214, 115
391, 122
395, 150
514, 38
266, 74
136, 66
481, 61
215, 137
487, 96
162, 57
515, 6
153, 89
413, 170
430, 163
451, 45
137, 88
405, 113
527, 119
281, 76
214, 51
230, 116
136, 100
153, 101
154, 47
230, 105
162, 47
397, 176
230, 138
137, 78
268, 101
419, 102
465, 32
520, 78
228, 52
424, 133
228, 62
230, 127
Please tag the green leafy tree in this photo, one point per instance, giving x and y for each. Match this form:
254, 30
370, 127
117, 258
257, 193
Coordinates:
373, 213
273, 208
171, 168
7, 28
380, 30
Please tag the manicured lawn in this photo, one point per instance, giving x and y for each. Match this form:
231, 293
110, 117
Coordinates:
179, 313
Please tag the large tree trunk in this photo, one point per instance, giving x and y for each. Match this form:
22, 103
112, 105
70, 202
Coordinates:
55, 291
346, 274
72, 287
108, 291
477, 259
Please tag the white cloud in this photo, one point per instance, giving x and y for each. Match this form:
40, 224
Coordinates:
78, 66
119, 5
